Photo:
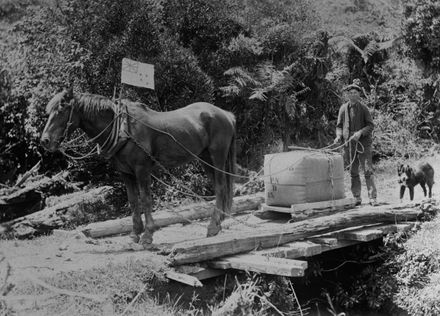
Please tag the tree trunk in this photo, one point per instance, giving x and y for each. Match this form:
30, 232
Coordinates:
74, 209
223, 245
285, 128
16, 201
163, 218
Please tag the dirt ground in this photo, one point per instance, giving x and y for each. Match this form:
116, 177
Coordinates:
63, 252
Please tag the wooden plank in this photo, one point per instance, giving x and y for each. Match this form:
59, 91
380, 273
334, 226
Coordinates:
259, 238
368, 234
279, 209
208, 273
404, 227
361, 235
292, 250
328, 244
201, 273
299, 212
347, 202
184, 214
183, 278
327, 241
352, 228
301, 209
262, 264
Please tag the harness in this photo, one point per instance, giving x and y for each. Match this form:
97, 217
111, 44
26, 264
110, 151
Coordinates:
118, 136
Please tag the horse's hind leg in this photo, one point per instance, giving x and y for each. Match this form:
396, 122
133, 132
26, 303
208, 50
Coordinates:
422, 184
205, 156
146, 202
430, 188
133, 199
218, 159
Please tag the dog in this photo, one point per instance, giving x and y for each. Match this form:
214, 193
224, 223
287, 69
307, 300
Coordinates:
410, 177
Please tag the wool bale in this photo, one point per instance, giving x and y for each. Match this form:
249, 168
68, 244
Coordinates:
303, 176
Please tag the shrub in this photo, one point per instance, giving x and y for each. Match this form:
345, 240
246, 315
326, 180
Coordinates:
421, 31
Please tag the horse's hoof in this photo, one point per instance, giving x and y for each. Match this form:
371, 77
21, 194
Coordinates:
134, 237
149, 247
213, 230
146, 240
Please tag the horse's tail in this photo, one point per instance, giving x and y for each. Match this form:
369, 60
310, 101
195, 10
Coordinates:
230, 169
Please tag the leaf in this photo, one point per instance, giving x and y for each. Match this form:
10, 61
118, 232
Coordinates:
231, 90
369, 50
241, 76
259, 94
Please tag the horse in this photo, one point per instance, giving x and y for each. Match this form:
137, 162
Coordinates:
138, 139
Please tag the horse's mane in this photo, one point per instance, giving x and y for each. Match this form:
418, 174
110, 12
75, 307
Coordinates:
91, 104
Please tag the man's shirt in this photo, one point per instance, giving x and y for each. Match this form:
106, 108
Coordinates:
352, 118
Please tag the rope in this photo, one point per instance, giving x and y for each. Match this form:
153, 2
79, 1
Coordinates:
326, 149
67, 145
95, 150
186, 149
193, 194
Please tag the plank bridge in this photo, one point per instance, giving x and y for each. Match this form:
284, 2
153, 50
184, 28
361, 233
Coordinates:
280, 244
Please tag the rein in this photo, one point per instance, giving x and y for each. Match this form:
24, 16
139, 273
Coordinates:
110, 143
112, 140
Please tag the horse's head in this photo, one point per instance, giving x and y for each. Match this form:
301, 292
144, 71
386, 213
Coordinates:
62, 120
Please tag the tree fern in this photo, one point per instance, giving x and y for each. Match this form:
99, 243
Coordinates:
366, 53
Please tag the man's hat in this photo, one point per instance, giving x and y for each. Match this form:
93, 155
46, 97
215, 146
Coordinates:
355, 85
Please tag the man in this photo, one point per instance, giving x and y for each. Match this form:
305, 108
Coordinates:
354, 127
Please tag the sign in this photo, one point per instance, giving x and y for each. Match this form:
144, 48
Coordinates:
137, 74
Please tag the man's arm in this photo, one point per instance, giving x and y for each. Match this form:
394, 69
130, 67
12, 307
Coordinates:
340, 123
369, 125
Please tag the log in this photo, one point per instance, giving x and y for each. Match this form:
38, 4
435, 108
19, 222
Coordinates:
164, 218
29, 173
74, 208
16, 201
223, 245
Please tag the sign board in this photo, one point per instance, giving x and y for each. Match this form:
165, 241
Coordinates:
137, 74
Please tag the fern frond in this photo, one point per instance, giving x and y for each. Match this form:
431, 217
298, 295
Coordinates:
259, 94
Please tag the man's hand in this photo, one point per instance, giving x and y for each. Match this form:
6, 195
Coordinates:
356, 136
337, 140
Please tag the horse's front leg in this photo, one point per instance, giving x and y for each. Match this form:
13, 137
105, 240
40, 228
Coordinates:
133, 199
146, 201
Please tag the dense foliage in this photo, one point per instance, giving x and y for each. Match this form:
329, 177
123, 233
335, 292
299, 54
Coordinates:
266, 61
191, 43
421, 29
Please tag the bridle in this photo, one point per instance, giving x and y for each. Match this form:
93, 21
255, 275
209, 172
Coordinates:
111, 142
69, 123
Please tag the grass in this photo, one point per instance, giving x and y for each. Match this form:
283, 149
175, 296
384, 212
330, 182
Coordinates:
419, 277
117, 285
